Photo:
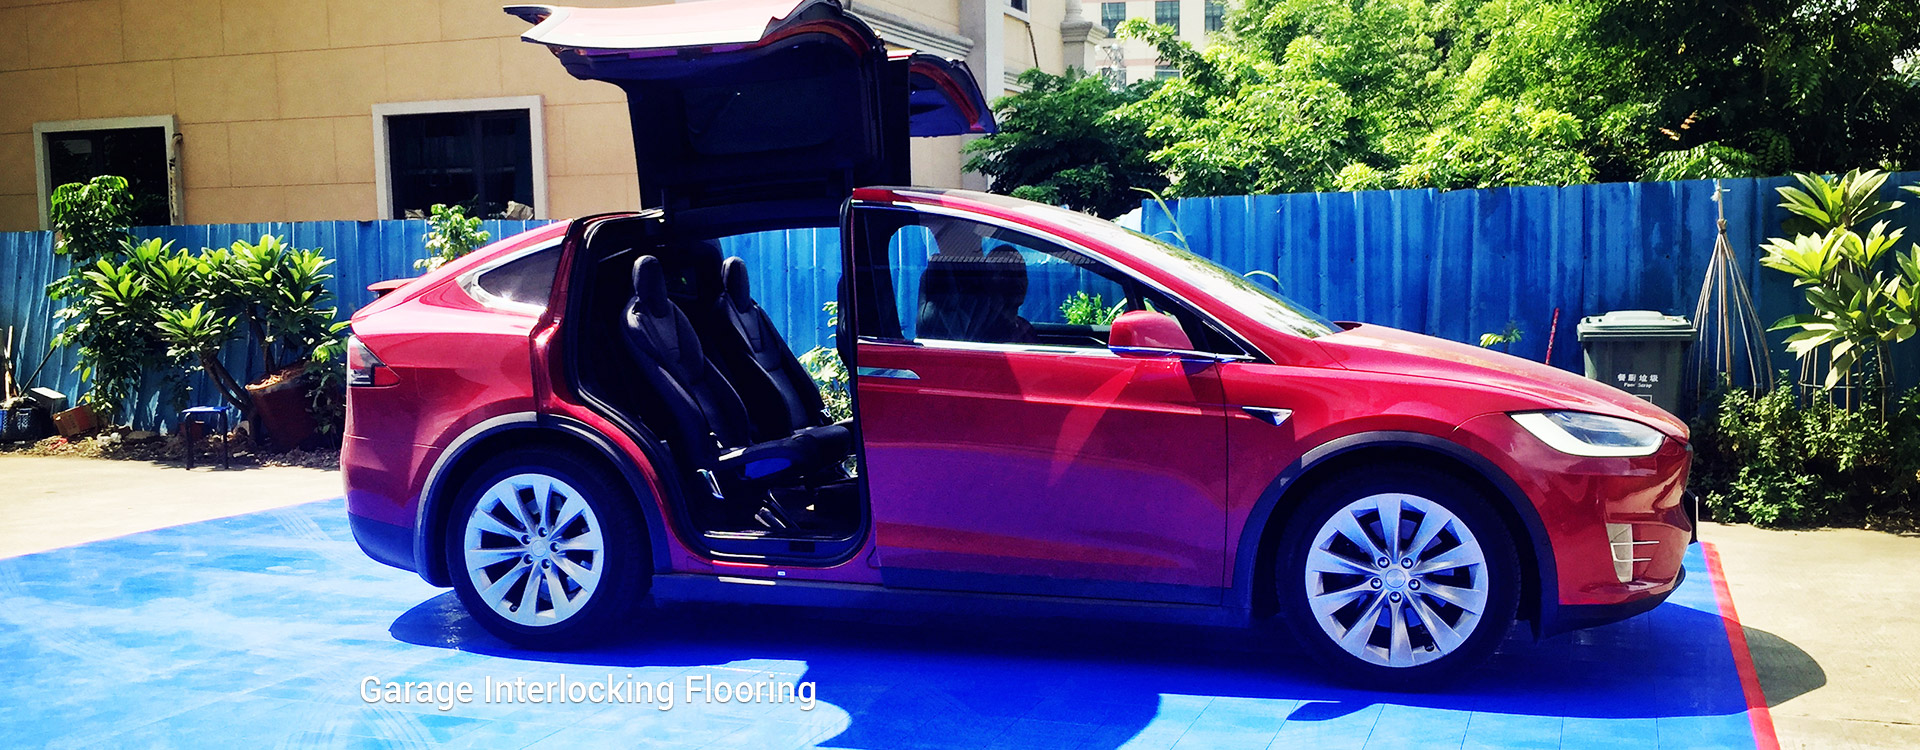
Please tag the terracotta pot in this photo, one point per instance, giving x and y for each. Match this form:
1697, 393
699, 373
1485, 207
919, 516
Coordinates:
76, 421
280, 404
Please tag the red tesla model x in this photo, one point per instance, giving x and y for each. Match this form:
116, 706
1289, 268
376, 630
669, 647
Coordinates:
569, 420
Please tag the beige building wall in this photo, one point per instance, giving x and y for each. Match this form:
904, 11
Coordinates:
274, 100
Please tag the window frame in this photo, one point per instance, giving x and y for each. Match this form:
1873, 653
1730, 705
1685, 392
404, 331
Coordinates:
1215, 16
1111, 29
383, 150
169, 124
1175, 4
859, 271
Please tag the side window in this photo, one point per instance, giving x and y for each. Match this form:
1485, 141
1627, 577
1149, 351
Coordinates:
927, 277
526, 280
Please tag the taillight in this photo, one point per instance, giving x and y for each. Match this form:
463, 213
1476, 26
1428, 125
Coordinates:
365, 369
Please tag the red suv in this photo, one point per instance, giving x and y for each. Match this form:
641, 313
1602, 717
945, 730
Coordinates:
1047, 410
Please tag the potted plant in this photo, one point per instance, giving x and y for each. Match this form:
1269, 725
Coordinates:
277, 294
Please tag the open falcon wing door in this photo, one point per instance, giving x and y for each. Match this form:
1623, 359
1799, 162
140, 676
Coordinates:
759, 112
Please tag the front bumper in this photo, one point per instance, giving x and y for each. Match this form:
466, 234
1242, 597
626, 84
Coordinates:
1618, 528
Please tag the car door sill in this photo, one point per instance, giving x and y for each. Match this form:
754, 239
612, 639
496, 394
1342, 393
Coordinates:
688, 587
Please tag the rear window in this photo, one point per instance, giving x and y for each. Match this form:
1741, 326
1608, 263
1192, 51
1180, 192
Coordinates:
526, 280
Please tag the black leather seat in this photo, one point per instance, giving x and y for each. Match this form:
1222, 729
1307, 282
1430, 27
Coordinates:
780, 395
972, 296
702, 418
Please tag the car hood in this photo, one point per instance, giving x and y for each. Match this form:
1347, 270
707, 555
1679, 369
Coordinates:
1379, 349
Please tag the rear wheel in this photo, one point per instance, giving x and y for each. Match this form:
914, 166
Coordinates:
1399, 579
544, 550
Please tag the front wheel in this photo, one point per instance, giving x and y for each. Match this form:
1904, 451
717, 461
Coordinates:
1398, 579
544, 551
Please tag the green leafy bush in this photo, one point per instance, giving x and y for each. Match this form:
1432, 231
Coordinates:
1859, 307
451, 233
90, 222
1082, 309
829, 373
1774, 461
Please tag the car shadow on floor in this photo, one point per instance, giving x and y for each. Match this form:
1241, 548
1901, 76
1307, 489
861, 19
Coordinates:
1785, 671
907, 678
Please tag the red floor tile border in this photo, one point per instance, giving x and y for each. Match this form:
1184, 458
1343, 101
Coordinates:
1757, 711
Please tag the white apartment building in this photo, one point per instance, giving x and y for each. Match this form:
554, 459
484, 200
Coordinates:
1196, 20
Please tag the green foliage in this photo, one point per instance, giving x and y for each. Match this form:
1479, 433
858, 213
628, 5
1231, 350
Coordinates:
89, 221
110, 316
829, 373
1774, 461
1309, 95
1859, 306
1707, 160
326, 373
1802, 85
1504, 339
1084, 309
157, 308
1312, 95
451, 233
1059, 144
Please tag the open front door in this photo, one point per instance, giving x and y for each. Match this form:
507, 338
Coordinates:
1006, 447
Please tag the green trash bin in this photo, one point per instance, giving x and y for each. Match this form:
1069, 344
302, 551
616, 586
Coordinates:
1642, 352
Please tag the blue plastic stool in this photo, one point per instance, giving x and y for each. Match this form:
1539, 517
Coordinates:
204, 416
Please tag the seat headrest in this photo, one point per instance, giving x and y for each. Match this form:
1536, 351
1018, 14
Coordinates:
1010, 271
650, 285
693, 271
733, 274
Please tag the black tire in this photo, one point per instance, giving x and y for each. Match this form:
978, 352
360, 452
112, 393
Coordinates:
1438, 665
624, 575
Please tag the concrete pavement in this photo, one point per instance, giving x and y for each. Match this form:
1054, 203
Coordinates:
53, 502
1831, 622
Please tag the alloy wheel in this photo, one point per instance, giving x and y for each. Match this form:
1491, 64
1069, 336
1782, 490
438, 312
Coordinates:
1396, 580
534, 549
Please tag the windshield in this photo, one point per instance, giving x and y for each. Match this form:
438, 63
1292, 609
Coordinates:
1238, 292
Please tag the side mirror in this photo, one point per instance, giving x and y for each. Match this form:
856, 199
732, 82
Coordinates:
1148, 333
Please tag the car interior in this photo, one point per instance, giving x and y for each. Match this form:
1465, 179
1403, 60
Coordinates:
673, 343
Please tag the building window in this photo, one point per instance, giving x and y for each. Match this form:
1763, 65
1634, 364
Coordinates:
478, 153
1019, 5
1161, 74
1216, 15
1111, 14
1167, 13
139, 149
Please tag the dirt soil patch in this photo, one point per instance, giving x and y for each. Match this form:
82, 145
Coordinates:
135, 445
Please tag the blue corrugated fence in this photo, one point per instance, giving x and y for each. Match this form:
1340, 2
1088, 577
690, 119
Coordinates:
1458, 264
1454, 264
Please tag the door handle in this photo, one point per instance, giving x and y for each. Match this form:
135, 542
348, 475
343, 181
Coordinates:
887, 372
1275, 417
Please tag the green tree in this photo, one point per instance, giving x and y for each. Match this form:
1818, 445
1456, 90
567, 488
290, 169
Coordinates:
1058, 144
1799, 85
1367, 94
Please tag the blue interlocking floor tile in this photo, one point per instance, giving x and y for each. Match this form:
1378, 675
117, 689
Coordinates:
258, 631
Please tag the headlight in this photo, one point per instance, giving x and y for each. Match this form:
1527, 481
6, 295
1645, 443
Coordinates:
1582, 434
